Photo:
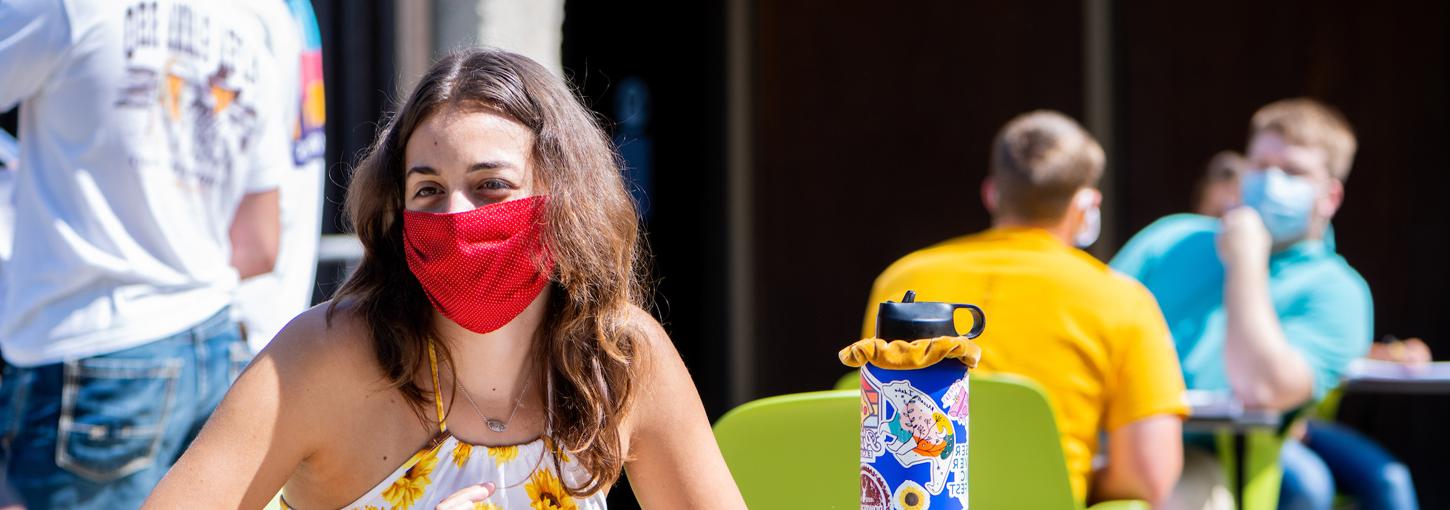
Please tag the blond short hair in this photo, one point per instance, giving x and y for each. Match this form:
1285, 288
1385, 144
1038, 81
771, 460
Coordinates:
1304, 121
1039, 161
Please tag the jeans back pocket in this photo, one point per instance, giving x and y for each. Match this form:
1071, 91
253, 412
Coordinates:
113, 414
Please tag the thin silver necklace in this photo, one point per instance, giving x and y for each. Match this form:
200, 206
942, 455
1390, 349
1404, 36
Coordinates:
494, 424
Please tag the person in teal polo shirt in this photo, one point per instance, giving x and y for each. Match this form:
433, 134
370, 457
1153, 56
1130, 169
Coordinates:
1322, 304
1257, 302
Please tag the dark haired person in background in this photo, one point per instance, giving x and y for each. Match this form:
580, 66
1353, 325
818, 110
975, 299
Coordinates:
1218, 190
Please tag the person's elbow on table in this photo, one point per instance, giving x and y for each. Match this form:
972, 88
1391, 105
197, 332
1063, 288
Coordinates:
1281, 386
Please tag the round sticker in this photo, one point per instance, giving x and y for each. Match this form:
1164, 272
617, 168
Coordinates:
875, 495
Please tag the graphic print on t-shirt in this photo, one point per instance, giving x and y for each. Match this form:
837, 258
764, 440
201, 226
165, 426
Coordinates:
200, 78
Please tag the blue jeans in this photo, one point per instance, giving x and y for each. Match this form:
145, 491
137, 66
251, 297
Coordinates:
100, 432
1334, 457
1307, 483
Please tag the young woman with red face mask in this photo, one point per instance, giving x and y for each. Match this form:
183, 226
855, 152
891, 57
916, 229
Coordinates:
490, 349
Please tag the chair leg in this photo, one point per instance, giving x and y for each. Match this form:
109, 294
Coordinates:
1256, 486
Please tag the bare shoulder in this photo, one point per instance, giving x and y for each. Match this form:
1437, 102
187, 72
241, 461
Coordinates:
324, 345
655, 350
655, 336
663, 382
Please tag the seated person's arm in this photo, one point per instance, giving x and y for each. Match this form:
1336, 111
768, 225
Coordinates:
675, 462
1263, 369
1280, 362
1144, 461
1146, 403
266, 425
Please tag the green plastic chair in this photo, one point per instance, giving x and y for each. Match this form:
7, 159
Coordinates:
1016, 458
1262, 472
801, 450
795, 451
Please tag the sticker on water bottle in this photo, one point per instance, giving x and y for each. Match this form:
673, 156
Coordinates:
910, 496
872, 444
875, 495
914, 434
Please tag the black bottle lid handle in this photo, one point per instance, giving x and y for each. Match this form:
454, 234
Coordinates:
979, 320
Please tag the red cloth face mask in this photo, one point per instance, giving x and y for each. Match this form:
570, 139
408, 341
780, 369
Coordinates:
480, 267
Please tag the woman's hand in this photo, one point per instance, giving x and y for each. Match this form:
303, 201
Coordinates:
466, 497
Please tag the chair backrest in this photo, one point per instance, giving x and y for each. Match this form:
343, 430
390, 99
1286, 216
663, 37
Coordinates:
795, 451
801, 450
1015, 455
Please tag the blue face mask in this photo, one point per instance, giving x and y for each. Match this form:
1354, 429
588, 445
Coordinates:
1282, 200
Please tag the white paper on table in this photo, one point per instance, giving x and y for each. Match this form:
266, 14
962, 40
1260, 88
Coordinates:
1365, 368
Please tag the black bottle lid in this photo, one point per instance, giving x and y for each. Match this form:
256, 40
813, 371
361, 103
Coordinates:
912, 320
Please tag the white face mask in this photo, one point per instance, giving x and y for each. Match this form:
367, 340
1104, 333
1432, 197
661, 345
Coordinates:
1285, 202
1092, 219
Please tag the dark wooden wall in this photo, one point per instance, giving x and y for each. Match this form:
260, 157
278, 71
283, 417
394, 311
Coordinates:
872, 124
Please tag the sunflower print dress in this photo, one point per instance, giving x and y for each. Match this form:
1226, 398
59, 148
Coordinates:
524, 476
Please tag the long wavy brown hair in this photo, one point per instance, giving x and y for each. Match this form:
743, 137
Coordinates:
587, 344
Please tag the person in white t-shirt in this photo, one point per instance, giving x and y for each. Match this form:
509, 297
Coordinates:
152, 135
270, 301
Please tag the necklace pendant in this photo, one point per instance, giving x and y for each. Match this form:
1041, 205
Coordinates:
497, 426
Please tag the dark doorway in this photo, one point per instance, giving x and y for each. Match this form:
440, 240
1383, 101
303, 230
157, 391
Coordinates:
654, 71
666, 60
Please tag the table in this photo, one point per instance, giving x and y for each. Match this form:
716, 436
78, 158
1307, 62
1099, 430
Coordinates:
1374, 376
1218, 420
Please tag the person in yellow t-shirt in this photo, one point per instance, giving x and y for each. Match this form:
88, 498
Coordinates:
1095, 340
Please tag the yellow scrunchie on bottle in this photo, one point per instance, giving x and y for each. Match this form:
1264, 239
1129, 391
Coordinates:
904, 355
